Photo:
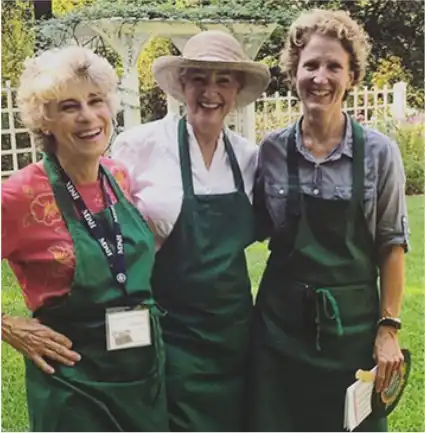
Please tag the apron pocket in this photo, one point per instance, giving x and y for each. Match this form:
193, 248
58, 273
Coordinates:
356, 305
288, 305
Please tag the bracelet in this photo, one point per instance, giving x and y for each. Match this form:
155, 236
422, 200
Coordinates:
394, 322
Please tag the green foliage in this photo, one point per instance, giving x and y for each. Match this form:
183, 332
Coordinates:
396, 28
224, 11
410, 138
55, 32
153, 104
153, 49
415, 97
18, 37
62, 7
391, 70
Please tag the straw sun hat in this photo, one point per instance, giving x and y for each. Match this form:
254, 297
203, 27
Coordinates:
212, 50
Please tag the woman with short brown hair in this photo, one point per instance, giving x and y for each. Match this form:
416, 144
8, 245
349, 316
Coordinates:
330, 195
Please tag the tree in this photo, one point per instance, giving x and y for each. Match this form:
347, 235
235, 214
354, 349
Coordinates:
17, 31
152, 99
61, 7
396, 28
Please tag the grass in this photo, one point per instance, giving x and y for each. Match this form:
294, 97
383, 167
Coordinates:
409, 415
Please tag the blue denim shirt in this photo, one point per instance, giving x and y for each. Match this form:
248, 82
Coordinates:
331, 178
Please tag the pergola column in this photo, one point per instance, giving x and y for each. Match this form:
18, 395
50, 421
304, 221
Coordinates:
127, 40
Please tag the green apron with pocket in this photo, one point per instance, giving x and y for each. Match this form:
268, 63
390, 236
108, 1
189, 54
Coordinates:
200, 277
316, 311
119, 390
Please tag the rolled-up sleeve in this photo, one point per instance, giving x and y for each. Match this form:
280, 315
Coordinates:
392, 222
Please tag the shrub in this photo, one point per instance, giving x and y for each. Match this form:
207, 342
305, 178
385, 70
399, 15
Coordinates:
390, 71
410, 138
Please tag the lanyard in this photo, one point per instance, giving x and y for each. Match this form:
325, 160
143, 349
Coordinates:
97, 231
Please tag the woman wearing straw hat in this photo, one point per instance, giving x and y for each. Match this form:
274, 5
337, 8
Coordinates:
192, 179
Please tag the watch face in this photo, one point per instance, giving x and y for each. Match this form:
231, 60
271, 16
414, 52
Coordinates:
385, 402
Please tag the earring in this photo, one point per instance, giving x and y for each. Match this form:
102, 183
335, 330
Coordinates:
46, 132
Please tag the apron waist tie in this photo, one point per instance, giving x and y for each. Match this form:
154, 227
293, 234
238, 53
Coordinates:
154, 308
324, 298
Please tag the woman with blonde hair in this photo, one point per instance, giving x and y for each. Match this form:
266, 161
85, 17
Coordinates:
83, 257
330, 195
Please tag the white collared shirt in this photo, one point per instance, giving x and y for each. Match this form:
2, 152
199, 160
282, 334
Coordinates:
150, 153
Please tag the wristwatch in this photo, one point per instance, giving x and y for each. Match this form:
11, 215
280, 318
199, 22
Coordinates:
394, 322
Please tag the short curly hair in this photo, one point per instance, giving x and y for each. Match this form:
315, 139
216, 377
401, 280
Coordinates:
337, 24
45, 76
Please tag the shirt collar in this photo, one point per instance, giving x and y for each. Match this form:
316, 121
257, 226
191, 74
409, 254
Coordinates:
344, 148
192, 134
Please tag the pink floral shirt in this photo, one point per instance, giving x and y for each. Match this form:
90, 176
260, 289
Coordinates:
35, 240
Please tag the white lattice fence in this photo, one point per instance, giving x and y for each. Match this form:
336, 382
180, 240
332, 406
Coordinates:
17, 144
368, 105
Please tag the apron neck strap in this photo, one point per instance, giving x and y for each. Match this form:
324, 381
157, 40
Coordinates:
119, 194
185, 162
358, 163
60, 193
294, 193
236, 171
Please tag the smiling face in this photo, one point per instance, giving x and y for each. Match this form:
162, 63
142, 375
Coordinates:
80, 121
210, 95
323, 75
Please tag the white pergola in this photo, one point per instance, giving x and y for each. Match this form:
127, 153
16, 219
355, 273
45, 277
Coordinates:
128, 37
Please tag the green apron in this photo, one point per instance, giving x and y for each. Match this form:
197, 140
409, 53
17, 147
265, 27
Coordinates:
316, 311
121, 390
200, 277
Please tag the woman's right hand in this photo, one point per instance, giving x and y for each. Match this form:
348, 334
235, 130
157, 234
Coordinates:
37, 342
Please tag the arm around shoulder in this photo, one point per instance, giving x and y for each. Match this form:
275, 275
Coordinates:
134, 146
263, 220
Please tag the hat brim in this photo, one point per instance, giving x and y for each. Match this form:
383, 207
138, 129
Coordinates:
166, 71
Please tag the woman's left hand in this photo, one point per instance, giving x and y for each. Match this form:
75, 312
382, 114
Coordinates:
387, 355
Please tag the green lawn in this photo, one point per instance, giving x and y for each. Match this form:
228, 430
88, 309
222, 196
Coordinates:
409, 415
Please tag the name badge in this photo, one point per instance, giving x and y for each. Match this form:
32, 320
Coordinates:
128, 328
